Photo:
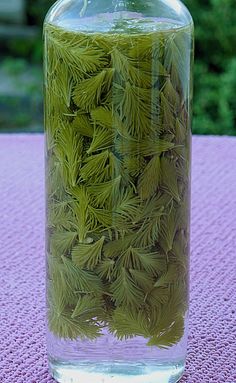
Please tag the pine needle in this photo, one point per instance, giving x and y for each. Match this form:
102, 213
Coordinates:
80, 207
158, 296
104, 194
149, 232
142, 278
62, 241
169, 177
147, 147
127, 324
126, 68
87, 307
169, 277
114, 248
140, 259
106, 118
102, 140
135, 105
125, 291
134, 165
126, 205
68, 150
82, 125
168, 228
106, 269
169, 336
82, 281
87, 94
88, 256
94, 167
150, 178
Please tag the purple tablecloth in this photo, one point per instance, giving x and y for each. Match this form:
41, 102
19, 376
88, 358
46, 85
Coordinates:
212, 339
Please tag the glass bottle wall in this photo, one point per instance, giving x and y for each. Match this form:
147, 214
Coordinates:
118, 141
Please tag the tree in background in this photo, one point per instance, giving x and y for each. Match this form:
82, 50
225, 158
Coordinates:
36, 10
215, 66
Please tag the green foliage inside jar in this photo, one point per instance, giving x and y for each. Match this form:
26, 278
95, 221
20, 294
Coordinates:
118, 142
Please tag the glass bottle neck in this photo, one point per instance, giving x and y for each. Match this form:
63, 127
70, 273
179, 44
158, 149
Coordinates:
118, 5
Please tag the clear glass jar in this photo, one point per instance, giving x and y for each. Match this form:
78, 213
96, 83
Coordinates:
118, 92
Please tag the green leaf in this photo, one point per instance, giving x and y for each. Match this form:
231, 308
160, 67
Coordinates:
125, 291
114, 166
147, 49
68, 150
168, 228
150, 178
155, 147
87, 307
141, 259
177, 57
126, 68
77, 55
169, 329
170, 276
60, 216
167, 112
146, 148
80, 280
181, 251
56, 186
104, 194
155, 206
87, 94
94, 168
181, 131
126, 204
65, 327
107, 269
149, 230
136, 106
88, 255
169, 178
62, 241
115, 248
101, 218
82, 125
128, 324
171, 94
170, 336
134, 165
143, 279
60, 292
61, 84
104, 117
80, 207
158, 296
102, 139
62, 296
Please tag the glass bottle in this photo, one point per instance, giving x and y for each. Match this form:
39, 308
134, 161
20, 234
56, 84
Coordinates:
118, 92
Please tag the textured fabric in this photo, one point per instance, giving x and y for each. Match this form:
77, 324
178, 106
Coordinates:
212, 346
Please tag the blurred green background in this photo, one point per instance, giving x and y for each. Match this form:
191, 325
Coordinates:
21, 102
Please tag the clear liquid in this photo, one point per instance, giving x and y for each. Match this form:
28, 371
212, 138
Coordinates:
119, 22
108, 360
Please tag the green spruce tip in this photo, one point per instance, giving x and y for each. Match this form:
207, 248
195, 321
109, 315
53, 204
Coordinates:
117, 125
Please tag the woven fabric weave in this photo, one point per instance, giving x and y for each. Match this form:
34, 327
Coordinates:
212, 345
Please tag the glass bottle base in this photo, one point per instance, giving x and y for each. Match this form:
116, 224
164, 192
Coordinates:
116, 372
